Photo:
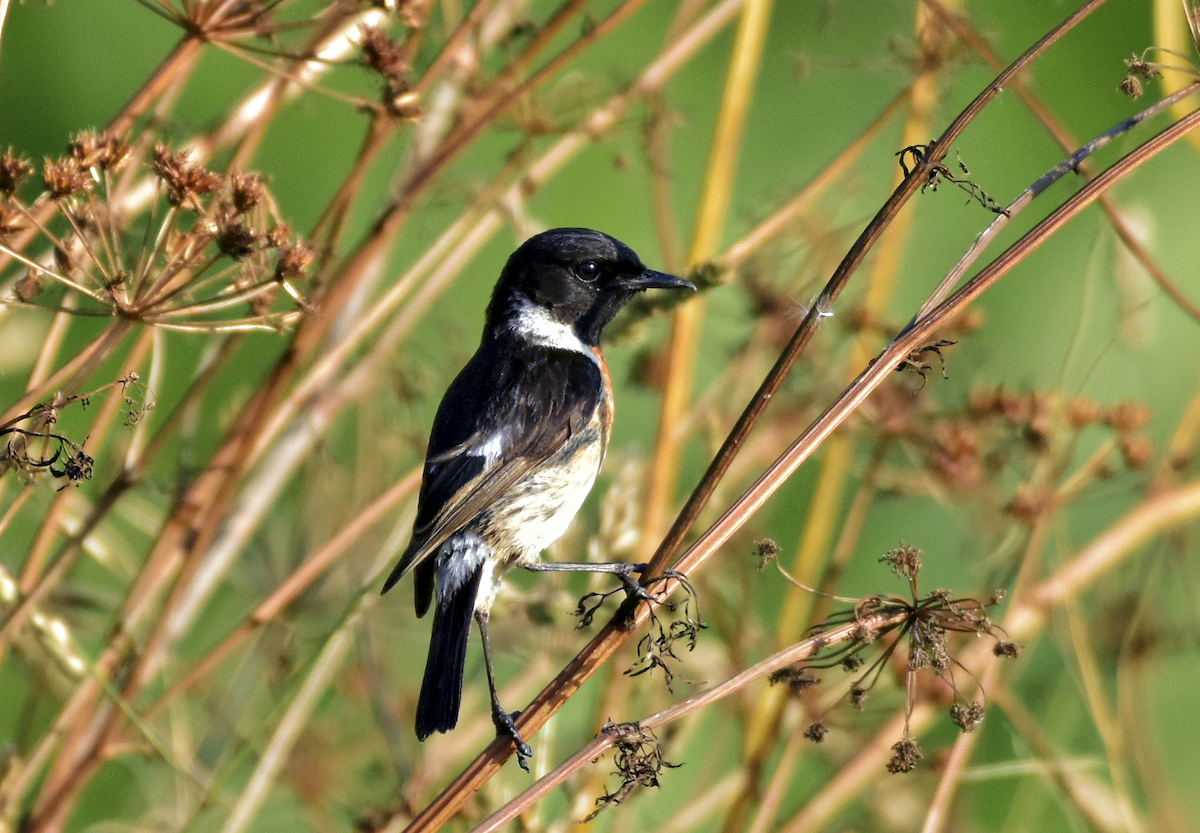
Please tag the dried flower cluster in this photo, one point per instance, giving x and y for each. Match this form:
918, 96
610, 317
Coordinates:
226, 272
925, 630
639, 761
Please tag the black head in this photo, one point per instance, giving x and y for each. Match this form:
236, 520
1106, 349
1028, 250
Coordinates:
574, 277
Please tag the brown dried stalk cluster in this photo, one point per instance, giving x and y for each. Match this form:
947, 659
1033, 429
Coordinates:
33, 446
216, 256
924, 632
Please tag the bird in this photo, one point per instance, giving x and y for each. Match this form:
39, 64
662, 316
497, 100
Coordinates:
514, 450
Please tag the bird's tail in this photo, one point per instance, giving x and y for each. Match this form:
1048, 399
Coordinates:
441, 689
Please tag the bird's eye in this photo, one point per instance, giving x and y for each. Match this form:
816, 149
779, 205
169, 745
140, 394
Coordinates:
587, 271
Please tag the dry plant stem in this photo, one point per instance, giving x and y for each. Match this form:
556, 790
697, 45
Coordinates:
449, 266
1084, 795
258, 492
830, 174
953, 765
1145, 522
1039, 187
453, 49
458, 141
52, 342
789, 656
918, 334
1114, 737
964, 31
716, 470
3, 17
1183, 441
15, 507
296, 717
864, 770
657, 142
860, 772
51, 526
474, 223
50, 273
1149, 520
688, 319
68, 377
616, 632
780, 784
299, 581
333, 218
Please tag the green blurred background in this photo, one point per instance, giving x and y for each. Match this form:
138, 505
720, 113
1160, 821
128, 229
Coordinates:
1078, 317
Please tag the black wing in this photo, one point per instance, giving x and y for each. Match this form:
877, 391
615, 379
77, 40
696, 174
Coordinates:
508, 411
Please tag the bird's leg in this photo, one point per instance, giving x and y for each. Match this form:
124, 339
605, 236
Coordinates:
504, 721
623, 570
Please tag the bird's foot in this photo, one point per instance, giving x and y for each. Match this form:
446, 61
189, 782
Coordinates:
632, 587
506, 726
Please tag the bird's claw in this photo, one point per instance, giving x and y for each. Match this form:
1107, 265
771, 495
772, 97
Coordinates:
633, 588
506, 726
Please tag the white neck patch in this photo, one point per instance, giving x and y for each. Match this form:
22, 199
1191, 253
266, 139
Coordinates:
535, 325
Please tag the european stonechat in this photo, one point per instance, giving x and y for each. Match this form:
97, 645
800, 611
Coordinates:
515, 448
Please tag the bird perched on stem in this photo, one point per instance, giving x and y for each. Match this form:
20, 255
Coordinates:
515, 447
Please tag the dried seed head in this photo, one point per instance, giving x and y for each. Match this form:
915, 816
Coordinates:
106, 152
29, 286
10, 222
1008, 650
798, 679
13, 171
236, 240
905, 755
278, 236
967, 717
247, 191
905, 561
1128, 415
294, 260
384, 56
62, 260
1132, 86
816, 732
64, 178
184, 180
1026, 505
1141, 68
1137, 451
1082, 412
767, 551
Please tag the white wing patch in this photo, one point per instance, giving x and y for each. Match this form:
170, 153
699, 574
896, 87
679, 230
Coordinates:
491, 448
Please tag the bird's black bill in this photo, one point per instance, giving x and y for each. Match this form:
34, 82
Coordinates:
649, 279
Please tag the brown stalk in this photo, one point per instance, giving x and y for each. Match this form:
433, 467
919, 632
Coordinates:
587, 755
1158, 274
716, 470
51, 526
919, 333
713, 207
449, 266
